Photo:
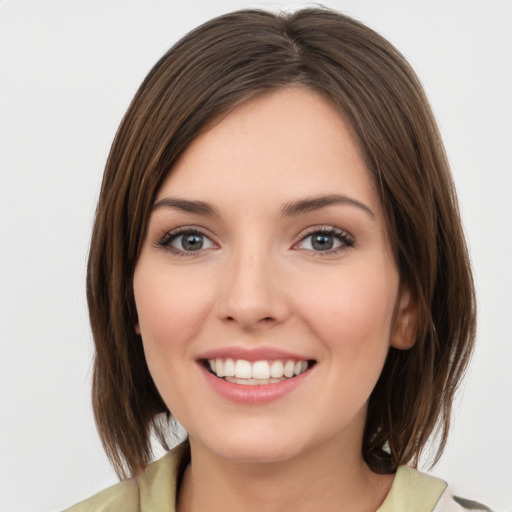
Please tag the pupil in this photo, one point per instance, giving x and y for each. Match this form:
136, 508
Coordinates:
322, 242
192, 242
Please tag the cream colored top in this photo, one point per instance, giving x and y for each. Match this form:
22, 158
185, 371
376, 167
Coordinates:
155, 491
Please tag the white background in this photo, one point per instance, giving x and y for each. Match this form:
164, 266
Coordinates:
68, 70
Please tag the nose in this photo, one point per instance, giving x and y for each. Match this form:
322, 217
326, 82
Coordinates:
252, 294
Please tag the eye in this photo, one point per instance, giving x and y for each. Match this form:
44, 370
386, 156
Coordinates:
326, 240
186, 241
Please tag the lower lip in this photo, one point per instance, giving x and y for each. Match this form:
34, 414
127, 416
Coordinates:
255, 394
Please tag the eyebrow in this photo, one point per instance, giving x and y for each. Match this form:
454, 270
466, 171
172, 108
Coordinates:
310, 204
289, 209
185, 205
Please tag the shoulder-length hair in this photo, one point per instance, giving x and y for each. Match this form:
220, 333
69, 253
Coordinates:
207, 73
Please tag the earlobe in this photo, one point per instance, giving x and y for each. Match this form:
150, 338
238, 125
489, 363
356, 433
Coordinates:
403, 333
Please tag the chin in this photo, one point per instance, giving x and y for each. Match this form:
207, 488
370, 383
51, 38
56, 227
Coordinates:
258, 454
255, 446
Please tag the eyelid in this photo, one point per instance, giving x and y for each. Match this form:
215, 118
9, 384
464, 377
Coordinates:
346, 239
164, 241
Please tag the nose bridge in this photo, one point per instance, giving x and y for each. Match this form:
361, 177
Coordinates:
250, 292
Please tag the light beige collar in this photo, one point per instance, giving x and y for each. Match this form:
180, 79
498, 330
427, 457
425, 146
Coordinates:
413, 491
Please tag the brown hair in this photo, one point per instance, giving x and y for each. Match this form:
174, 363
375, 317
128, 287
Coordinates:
211, 70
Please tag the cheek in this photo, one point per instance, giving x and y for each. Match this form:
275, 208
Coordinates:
353, 310
351, 316
171, 314
171, 306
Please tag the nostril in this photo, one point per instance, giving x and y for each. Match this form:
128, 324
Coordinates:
264, 320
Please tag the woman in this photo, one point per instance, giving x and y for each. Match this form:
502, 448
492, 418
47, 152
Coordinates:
278, 263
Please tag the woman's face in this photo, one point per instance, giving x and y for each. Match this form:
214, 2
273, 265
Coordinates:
267, 258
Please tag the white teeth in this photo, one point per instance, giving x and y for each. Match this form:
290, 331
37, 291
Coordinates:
219, 367
252, 382
241, 371
229, 368
247, 382
288, 369
261, 370
276, 369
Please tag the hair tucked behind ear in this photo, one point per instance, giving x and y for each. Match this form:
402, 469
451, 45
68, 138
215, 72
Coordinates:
212, 70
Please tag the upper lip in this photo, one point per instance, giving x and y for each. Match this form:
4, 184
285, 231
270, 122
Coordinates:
253, 354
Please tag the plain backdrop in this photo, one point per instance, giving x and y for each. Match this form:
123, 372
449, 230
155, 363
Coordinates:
68, 70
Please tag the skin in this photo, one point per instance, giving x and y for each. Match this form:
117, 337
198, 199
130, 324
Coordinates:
259, 282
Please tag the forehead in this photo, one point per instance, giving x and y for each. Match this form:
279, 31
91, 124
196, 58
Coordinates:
274, 148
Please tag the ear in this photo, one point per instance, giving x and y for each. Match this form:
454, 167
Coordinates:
404, 329
137, 328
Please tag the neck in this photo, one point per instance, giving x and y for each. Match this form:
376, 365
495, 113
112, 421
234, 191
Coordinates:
330, 477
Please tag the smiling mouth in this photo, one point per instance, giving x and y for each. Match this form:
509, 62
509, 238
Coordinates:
241, 371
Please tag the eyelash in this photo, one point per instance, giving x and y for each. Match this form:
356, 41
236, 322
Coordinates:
346, 241
169, 237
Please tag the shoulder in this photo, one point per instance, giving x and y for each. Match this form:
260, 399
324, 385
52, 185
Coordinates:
121, 496
450, 502
414, 491
149, 491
